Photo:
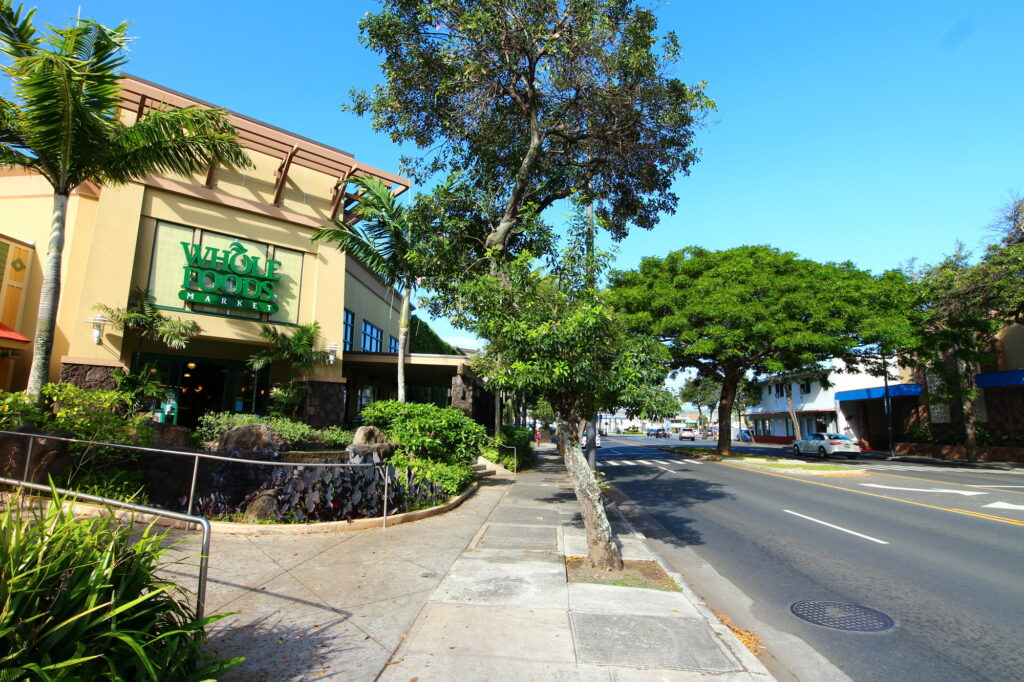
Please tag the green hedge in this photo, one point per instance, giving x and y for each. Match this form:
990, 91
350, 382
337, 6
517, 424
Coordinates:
440, 433
522, 440
297, 435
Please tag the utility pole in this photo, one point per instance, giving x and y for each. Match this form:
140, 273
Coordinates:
887, 401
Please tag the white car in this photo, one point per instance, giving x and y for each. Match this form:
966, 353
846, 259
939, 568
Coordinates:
825, 444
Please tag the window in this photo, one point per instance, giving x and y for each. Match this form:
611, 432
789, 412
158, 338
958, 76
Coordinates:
372, 337
393, 345
805, 387
350, 327
779, 390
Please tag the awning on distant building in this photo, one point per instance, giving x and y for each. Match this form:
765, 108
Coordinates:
1013, 377
895, 390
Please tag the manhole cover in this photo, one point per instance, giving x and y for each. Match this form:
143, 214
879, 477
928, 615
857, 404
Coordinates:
842, 616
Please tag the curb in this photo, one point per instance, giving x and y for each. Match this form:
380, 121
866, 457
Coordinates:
751, 663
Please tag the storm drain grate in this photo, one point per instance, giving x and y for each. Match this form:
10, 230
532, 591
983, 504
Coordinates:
842, 616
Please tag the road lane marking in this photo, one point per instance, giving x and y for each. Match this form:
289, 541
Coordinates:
1001, 519
692, 461
672, 472
967, 493
1004, 505
845, 530
644, 461
995, 485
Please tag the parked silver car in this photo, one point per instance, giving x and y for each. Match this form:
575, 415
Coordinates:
825, 444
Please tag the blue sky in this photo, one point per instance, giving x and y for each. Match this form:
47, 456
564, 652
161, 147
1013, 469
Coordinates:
867, 131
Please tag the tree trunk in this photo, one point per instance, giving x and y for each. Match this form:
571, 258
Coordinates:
725, 401
967, 405
49, 299
792, 412
403, 339
497, 414
590, 431
602, 552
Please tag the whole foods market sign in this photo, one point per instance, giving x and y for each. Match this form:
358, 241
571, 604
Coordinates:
229, 278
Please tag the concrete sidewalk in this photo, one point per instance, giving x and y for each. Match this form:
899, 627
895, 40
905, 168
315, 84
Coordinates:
479, 593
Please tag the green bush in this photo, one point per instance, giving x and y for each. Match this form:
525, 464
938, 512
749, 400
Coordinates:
82, 601
127, 486
96, 415
424, 430
453, 477
297, 435
522, 440
18, 409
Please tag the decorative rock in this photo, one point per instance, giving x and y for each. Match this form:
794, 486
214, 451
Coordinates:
169, 437
263, 507
368, 435
251, 441
49, 457
382, 450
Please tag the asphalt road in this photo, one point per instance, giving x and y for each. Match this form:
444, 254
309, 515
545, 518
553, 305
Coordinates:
940, 551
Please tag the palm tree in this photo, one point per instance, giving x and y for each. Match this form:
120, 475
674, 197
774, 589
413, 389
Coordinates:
63, 123
382, 239
299, 350
145, 319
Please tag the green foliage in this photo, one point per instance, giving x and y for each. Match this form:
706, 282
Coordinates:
96, 415
499, 89
286, 398
297, 435
519, 438
451, 476
18, 409
142, 316
543, 412
298, 349
423, 339
427, 431
83, 601
124, 485
757, 309
142, 388
919, 433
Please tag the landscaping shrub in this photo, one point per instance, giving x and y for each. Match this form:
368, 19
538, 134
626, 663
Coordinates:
423, 430
522, 440
82, 601
124, 485
452, 477
297, 435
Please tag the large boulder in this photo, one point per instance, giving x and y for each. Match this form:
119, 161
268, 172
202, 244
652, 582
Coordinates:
263, 507
252, 441
382, 450
368, 435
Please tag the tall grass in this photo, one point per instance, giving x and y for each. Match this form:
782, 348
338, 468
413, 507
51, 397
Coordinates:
81, 599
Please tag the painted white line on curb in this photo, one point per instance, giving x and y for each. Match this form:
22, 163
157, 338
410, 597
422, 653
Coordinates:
845, 530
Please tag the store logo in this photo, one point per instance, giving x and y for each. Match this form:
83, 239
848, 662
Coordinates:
229, 278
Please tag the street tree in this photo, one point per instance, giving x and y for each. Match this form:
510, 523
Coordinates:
63, 123
754, 309
532, 102
382, 237
963, 307
541, 335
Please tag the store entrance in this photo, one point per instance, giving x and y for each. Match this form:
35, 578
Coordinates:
196, 386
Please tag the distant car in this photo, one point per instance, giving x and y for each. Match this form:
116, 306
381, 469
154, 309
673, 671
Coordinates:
660, 433
825, 444
651, 432
687, 433
744, 436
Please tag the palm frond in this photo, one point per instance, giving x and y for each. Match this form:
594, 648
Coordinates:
182, 141
17, 34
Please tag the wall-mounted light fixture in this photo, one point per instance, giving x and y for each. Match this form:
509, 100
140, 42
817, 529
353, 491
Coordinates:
98, 322
332, 353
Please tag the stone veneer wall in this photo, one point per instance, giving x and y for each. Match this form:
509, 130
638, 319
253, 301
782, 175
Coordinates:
324, 404
90, 377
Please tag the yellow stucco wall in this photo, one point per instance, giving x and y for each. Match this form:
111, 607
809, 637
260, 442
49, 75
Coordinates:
370, 306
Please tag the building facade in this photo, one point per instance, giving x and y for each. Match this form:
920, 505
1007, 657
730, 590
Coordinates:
228, 249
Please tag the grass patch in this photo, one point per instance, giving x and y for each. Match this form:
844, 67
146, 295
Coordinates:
646, 574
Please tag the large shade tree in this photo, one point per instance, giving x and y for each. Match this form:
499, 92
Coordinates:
531, 102
755, 309
63, 123
382, 236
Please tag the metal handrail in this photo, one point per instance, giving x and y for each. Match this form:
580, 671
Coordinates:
515, 452
195, 465
204, 558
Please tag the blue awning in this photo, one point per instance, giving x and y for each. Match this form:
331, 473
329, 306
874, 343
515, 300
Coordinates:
1013, 377
895, 390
